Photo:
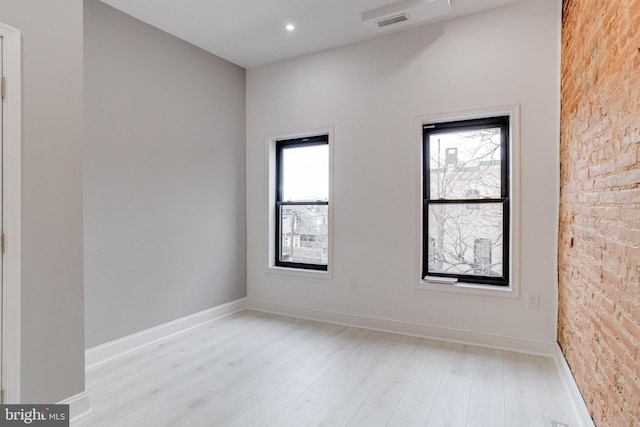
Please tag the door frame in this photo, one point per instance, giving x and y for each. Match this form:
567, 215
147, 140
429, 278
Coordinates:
11, 213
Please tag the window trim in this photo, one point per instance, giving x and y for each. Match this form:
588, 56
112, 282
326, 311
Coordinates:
269, 246
512, 291
501, 121
281, 145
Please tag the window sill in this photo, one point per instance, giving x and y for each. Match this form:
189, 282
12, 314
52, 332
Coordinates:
300, 272
469, 289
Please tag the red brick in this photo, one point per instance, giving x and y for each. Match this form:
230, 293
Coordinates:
607, 305
632, 327
631, 364
633, 253
616, 247
599, 294
630, 177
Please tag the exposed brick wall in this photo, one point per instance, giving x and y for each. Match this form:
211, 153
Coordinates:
599, 306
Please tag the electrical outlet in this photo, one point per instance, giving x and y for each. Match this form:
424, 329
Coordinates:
533, 300
353, 284
558, 424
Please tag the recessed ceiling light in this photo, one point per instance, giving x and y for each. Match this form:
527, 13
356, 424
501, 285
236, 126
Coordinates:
290, 27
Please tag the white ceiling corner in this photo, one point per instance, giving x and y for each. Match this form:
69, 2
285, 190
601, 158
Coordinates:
252, 32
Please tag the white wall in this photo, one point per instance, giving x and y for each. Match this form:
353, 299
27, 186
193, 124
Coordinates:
52, 342
371, 92
164, 177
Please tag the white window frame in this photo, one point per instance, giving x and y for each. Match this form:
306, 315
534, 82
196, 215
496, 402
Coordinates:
270, 211
513, 289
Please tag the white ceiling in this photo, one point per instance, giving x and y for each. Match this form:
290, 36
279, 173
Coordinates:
252, 32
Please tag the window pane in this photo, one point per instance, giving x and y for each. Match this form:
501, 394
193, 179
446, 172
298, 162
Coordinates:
466, 239
304, 234
465, 164
305, 173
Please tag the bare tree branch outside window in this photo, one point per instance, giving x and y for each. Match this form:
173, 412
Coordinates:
465, 213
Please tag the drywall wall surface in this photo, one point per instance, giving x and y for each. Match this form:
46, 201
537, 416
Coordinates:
164, 177
599, 260
371, 93
52, 337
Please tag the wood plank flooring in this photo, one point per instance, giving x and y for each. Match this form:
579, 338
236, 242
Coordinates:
259, 369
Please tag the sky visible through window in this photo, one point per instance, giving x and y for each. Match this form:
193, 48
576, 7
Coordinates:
306, 173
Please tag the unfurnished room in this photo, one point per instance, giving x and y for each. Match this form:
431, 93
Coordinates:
320, 213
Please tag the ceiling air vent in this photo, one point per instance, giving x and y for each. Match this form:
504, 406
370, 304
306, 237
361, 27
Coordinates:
393, 20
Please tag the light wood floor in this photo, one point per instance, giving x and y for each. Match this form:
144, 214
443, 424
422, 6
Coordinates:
258, 369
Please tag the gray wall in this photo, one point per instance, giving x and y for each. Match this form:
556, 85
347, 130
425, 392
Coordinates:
164, 177
52, 356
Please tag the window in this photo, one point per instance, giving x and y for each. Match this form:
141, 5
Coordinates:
302, 203
466, 201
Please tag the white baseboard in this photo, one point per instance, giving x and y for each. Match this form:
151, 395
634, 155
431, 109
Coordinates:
579, 406
100, 354
79, 406
404, 327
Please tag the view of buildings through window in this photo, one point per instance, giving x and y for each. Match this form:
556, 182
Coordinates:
465, 200
302, 202
304, 234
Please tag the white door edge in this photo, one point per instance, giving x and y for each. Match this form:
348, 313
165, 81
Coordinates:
11, 214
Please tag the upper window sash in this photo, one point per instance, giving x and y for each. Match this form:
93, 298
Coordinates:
501, 122
292, 143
